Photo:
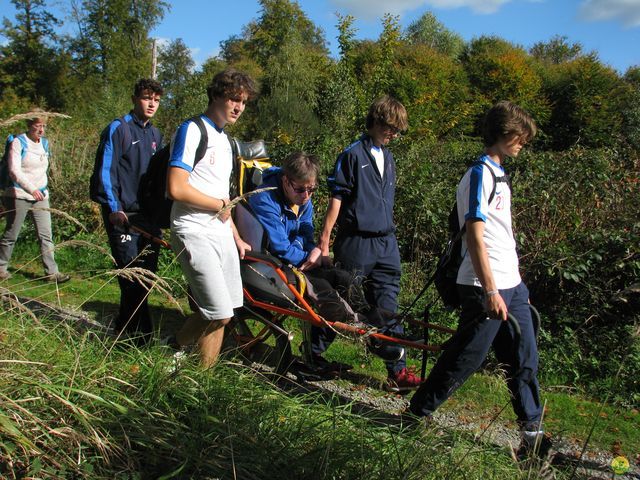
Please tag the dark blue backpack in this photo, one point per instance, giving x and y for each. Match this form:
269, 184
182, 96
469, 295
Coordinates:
152, 190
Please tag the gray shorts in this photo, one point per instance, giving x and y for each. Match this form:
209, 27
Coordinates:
212, 268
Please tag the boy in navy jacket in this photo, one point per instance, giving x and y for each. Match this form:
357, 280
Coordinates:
126, 146
362, 197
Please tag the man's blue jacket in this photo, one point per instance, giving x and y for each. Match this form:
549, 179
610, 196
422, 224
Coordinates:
122, 158
290, 235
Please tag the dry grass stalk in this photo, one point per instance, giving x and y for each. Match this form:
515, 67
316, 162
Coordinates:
148, 279
62, 214
84, 243
240, 198
15, 303
29, 115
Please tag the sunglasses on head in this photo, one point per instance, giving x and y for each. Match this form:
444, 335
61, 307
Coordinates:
309, 190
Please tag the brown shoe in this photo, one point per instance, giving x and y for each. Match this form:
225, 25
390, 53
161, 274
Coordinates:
4, 275
58, 277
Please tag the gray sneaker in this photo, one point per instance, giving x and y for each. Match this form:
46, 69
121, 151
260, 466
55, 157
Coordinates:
58, 277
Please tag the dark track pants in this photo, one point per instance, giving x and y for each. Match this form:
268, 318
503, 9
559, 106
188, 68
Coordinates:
331, 288
130, 249
468, 348
377, 261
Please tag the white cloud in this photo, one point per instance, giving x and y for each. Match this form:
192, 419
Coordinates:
371, 9
625, 11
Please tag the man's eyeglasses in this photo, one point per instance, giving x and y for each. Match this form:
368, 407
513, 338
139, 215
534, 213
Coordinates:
301, 190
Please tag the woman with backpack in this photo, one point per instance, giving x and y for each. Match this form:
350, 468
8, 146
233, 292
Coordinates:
25, 190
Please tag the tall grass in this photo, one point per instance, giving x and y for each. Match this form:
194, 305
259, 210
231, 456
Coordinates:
73, 407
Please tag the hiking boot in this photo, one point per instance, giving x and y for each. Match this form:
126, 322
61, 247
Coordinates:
389, 352
403, 381
4, 275
413, 420
320, 368
57, 278
533, 445
322, 363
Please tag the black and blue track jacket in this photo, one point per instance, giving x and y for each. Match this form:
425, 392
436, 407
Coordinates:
367, 198
126, 146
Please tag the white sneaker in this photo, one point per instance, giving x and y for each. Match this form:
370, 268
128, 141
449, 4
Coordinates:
177, 361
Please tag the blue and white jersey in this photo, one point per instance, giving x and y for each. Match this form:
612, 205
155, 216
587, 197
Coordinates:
473, 203
210, 175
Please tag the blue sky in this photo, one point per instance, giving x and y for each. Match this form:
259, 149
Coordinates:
611, 28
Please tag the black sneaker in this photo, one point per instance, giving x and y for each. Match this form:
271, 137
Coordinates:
333, 366
534, 445
389, 352
414, 420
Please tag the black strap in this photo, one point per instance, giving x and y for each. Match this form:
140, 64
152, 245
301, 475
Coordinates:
503, 179
204, 139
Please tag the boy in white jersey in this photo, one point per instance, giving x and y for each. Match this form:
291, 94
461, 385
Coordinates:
490, 286
203, 236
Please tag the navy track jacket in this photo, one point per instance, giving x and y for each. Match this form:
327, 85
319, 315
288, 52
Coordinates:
367, 198
119, 167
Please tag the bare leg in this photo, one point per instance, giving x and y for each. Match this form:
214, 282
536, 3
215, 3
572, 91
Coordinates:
210, 342
207, 334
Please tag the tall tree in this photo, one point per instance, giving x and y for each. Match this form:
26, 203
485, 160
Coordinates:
175, 74
499, 70
588, 102
280, 21
29, 62
113, 38
557, 50
427, 30
291, 84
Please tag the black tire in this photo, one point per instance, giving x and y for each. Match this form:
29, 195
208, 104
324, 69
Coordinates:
251, 337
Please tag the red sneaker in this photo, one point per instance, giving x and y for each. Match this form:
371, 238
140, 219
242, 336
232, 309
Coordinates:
403, 381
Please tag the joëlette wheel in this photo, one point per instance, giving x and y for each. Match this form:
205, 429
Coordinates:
250, 335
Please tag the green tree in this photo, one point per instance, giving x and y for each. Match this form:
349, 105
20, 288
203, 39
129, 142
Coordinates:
341, 99
291, 82
557, 50
281, 21
428, 31
588, 101
435, 90
631, 108
175, 72
113, 39
499, 70
30, 64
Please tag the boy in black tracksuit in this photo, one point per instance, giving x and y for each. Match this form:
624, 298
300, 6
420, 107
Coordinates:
126, 146
362, 198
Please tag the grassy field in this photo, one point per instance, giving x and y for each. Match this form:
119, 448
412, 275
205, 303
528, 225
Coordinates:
76, 405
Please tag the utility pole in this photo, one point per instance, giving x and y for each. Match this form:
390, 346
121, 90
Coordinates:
154, 58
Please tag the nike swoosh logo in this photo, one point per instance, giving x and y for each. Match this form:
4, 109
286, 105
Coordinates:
365, 165
137, 141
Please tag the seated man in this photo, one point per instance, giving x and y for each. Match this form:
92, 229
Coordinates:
286, 214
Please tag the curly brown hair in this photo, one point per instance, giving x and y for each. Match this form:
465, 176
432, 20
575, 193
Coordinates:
231, 83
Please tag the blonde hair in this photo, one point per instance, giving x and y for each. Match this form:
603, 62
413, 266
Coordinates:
386, 110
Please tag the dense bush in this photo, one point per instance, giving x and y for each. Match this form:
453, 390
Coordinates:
577, 227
